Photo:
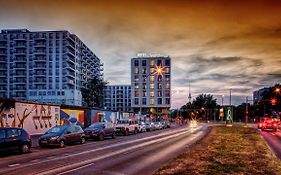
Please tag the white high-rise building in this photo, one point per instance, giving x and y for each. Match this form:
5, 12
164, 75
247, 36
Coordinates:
46, 66
151, 84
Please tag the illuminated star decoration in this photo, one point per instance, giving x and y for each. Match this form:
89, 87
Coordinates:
159, 70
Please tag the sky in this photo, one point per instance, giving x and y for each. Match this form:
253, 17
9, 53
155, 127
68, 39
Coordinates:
214, 45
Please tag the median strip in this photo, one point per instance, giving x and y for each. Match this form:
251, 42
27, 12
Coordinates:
226, 150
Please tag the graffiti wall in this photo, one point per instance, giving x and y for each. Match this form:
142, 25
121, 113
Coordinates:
69, 116
103, 116
36, 118
7, 114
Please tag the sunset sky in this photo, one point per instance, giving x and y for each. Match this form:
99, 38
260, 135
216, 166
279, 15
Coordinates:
215, 45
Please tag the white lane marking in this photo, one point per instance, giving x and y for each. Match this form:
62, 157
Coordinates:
13, 165
69, 171
78, 164
54, 158
35, 160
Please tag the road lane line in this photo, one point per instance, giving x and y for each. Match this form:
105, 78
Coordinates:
13, 165
74, 165
69, 171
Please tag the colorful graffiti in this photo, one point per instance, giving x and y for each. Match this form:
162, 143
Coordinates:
7, 114
36, 118
103, 116
69, 116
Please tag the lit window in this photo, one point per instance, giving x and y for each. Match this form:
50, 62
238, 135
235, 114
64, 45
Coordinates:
167, 86
136, 70
152, 94
151, 85
152, 63
151, 101
167, 70
151, 77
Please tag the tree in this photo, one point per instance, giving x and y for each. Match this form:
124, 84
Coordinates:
93, 94
203, 106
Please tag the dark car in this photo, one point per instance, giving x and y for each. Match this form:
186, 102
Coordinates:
100, 130
14, 139
62, 135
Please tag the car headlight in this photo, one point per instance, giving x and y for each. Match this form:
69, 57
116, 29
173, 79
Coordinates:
54, 138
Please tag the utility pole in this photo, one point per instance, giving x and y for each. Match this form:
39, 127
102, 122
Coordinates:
246, 110
230, 97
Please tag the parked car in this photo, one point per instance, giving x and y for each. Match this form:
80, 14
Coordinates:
14, 139
126, 126
141, 127
149, 126
269, 123
62, 135
158, 125
164, 123
100, 130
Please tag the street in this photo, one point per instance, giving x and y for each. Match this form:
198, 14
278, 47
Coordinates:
274, 141
143, 153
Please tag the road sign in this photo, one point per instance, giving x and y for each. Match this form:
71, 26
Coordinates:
229, 114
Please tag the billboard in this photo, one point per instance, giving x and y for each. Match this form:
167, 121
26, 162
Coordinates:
7, 114
103, 116
36, 118
70, 116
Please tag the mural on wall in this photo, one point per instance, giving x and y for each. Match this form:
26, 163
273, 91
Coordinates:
103, 116
127, 115
36, 118
7, 114
71, 117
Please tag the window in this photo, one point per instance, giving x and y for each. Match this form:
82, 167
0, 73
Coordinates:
136, 78
12, 133
159, 93
167, 86
2, 134
151, 101
159, 62
159, 78
136, 70
167, 70
144, 101
159, 86
167, 101
159, 100
151, 85
167, 62
152, 63
143, 62
136, 100
151, 77
136, 63
144, 93
152, 94
136, 93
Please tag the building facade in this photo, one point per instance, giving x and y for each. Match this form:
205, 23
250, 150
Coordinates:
45, 66
118, 98
151, 84
257, 95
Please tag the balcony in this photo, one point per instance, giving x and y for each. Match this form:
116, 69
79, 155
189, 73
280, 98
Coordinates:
40, 45
40, 59
70, 74
19, 59
40, 66
20, 52
40, 52
71, 82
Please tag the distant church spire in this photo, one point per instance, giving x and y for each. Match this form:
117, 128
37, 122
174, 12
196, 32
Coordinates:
189, 93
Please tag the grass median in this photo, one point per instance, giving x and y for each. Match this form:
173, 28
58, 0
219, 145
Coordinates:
226, 150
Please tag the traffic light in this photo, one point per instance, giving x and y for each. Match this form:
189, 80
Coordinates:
273, 101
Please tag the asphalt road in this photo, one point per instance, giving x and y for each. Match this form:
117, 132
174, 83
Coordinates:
143, 153
274, 141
